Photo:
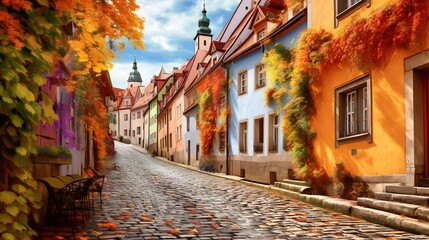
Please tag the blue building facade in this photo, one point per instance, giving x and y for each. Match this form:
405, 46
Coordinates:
255, 137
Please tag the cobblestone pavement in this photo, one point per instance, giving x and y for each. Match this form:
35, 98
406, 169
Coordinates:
146, 198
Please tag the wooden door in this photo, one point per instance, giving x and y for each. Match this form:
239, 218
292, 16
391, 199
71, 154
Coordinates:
189, 152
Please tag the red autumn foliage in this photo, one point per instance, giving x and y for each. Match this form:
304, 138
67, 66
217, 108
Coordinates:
173, 231
108, 225
211, 90
370, 42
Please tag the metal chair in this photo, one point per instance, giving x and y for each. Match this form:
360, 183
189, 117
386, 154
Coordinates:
97, 187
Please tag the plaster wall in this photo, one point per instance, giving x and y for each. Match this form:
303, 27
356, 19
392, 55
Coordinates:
385, 154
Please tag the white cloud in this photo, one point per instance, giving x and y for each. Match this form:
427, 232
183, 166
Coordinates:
121, 71
165, 23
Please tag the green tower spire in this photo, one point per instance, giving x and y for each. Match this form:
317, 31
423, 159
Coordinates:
204, 22
135, 75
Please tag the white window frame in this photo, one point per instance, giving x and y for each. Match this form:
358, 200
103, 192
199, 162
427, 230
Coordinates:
243, 137
275, 132
260, 75
242, 80
353, 111
350, 7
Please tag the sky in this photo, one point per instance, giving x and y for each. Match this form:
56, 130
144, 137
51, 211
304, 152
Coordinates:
170, 28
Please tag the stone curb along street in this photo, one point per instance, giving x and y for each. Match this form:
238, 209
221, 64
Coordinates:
343, 206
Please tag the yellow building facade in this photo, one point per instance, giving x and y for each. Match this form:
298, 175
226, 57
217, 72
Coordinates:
374, 119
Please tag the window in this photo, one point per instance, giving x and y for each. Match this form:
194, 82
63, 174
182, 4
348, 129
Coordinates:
171, 140
171, 113
138, 130
176, 85
180, 132
345, 7
243, 137
258, 135
115, 133
188, 123
242, 82
274, 133
261, 34
125, 117
139, 115
197, 151
260, 75
125, 132
178, 110
353, 110
134, 133
222, 139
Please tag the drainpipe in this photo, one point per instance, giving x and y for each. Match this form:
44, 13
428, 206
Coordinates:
227, 120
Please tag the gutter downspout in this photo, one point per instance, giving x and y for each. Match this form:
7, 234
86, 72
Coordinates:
227, 121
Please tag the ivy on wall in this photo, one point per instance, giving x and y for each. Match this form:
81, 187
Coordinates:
32, 40
211, 90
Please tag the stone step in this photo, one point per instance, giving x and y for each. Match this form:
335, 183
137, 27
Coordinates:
406, 209
422, 191
296, 182
424, 182
293, 187
403, 198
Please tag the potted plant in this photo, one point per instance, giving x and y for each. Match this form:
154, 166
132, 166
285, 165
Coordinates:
53, 155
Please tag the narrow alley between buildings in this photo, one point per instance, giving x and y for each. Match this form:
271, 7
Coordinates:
147, 198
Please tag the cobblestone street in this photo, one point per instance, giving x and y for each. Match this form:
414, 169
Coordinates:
150, 199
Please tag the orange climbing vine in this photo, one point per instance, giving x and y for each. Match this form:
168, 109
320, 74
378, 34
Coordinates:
211, 91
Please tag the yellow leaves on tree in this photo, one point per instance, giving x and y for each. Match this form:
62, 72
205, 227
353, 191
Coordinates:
95, 22
211, 91
34, 36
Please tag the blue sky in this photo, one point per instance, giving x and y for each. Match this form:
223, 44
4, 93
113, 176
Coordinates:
170, 28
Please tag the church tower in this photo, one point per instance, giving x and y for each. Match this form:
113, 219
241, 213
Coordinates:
134, 79
203, 39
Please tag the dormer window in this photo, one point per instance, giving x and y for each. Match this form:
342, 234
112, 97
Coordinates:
261, 34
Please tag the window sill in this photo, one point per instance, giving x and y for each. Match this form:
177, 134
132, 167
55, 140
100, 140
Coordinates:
258, 87
354, 138
243, 93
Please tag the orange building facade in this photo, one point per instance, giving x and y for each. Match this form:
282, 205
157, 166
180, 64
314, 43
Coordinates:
374, 119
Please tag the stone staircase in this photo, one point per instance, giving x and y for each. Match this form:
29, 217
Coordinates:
294, 185
412, 202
